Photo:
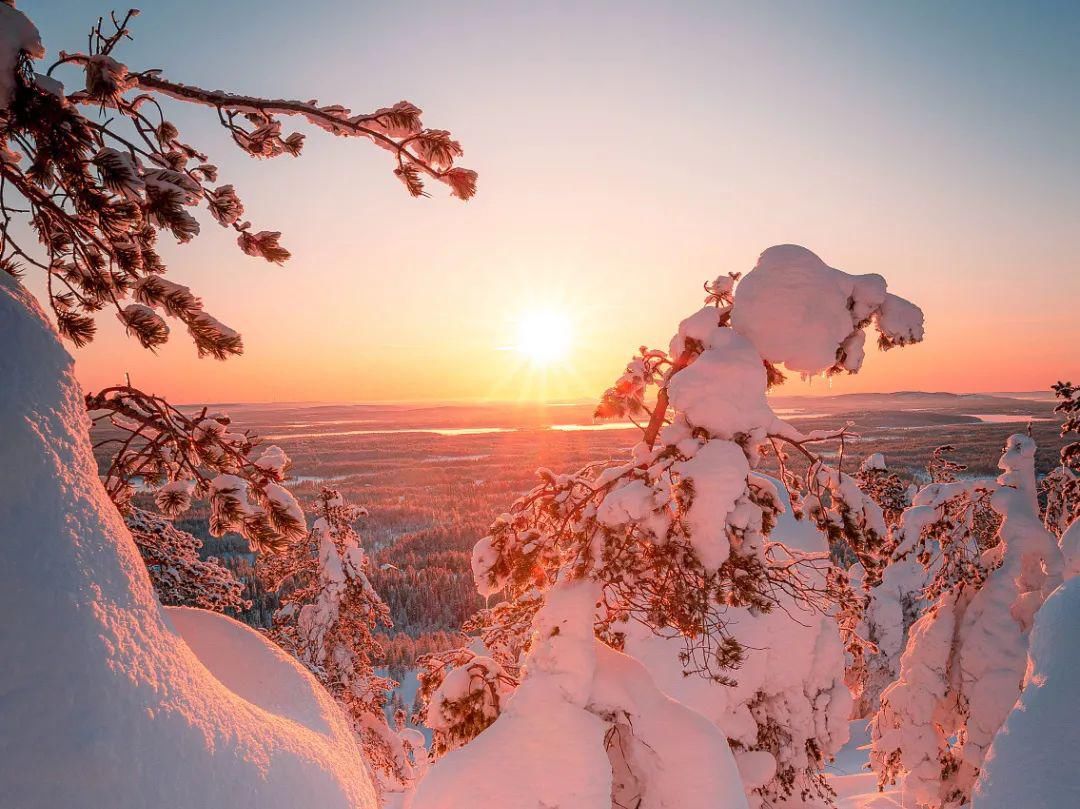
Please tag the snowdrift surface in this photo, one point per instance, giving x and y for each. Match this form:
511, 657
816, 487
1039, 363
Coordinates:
102, 703
1033, 760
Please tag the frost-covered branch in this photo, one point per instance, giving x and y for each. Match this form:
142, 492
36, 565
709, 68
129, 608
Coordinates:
182, 458
97, 173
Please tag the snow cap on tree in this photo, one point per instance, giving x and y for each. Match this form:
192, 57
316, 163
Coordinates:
824, 311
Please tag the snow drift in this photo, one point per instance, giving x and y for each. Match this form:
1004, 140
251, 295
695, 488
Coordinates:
102, 702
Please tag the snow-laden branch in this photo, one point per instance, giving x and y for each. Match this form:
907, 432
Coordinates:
98, 172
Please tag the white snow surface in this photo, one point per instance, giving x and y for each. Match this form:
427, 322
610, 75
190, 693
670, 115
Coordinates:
102, 700
1032, 762
799, 311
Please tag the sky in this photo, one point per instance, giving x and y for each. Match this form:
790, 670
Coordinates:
627, 152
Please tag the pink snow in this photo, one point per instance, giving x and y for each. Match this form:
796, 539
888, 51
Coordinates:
799, 311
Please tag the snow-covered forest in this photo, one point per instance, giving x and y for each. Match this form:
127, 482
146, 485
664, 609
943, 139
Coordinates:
715, 600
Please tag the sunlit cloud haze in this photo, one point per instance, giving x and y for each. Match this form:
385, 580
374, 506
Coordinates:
627, 152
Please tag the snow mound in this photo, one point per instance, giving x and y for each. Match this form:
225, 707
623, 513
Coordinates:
542, 751
1032, 761
799, 311
251, 667
586, 728
105, 701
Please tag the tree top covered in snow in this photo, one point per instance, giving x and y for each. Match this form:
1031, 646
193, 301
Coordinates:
678, 532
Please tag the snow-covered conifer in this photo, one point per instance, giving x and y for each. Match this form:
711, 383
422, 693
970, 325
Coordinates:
892, 605
180, 577
884, 487
328, 617
461, 694
1032, 762
677, 538
941, 468
1061, 488
966, 656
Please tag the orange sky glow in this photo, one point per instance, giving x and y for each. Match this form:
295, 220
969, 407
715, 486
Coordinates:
626, 154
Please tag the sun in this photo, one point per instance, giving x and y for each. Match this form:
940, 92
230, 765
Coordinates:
544, 337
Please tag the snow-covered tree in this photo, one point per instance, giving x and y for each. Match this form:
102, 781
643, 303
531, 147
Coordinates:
941, 468
460, 695
1032, 762
1061, 488
180, 577
926, 559
677, 539
966, 656
884, 487
328, 617
892, 605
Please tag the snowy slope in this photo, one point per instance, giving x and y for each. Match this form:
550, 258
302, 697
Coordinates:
102, 703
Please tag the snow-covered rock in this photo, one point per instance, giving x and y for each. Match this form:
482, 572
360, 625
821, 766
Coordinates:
1033, 760
105, 701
